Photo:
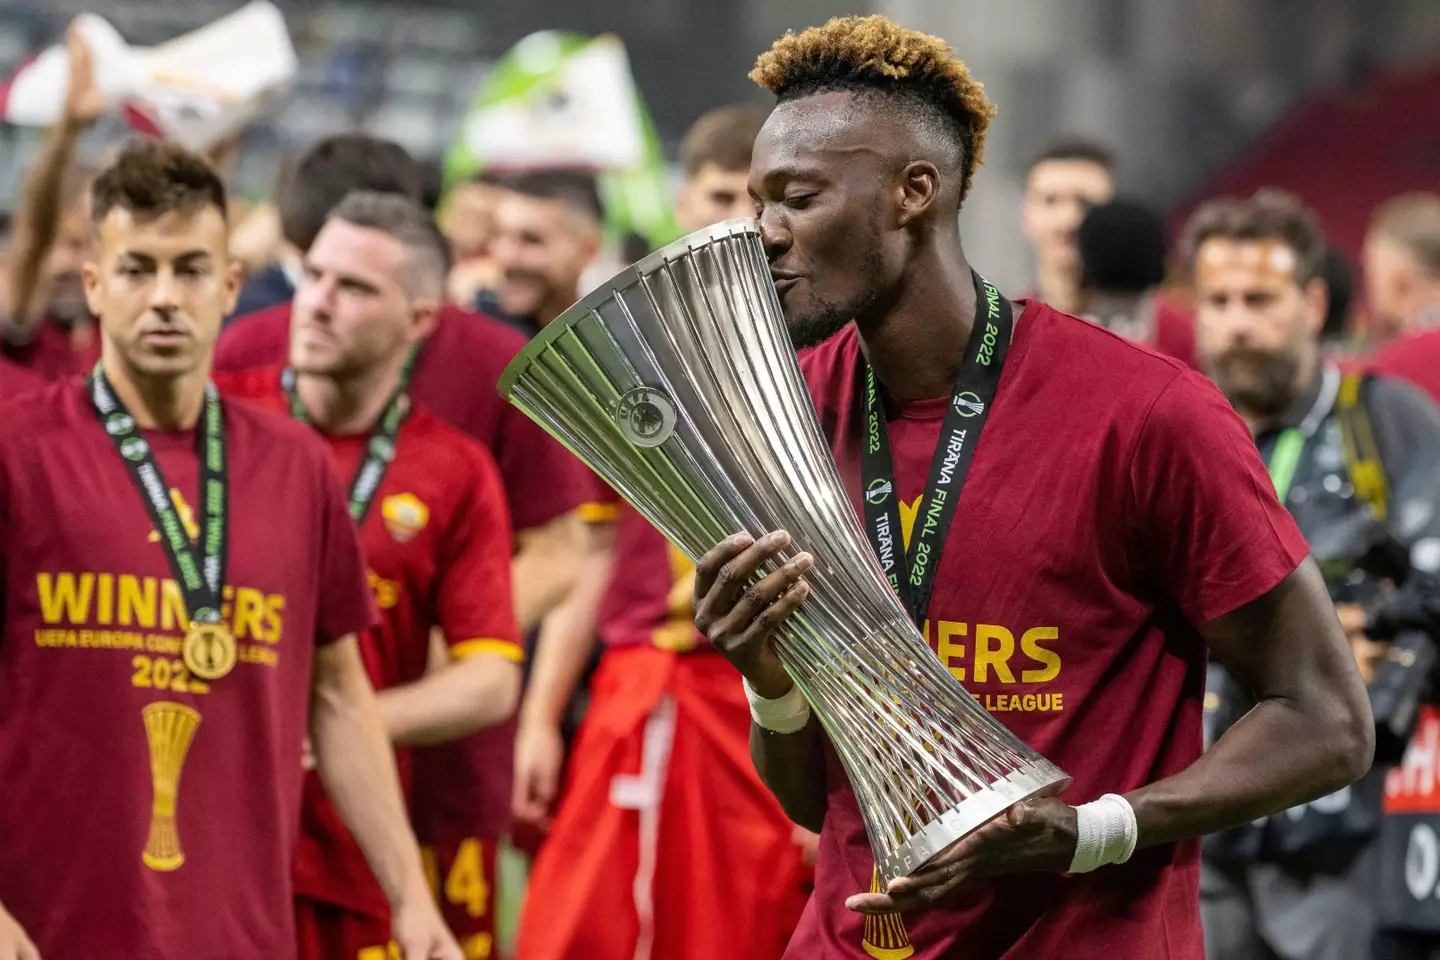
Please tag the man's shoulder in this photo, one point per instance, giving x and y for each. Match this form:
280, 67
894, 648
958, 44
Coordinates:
1086, 345
256, 384
50, 412
267, 434
445, 453
255, 340
468, 330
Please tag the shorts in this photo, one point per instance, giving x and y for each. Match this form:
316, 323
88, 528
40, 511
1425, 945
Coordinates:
324, 931
462, 877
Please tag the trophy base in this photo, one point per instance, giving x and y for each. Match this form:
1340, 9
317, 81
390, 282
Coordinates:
974, 811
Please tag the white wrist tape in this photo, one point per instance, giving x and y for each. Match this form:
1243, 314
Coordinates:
787, 714
1105, 832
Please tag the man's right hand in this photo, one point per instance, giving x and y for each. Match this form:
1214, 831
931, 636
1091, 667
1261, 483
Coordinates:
83, 101
14, 944
741, 618
539, 757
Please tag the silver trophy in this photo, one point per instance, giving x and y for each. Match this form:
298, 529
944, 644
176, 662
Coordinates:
677, 383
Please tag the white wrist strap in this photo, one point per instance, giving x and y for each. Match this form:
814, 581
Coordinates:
787, 714
1105, 832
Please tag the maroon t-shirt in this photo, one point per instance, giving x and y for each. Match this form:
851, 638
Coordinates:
53, 352
148, 815
15, 379
1414, 357
1115, 500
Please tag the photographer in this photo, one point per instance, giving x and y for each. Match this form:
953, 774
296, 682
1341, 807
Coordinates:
1356, 460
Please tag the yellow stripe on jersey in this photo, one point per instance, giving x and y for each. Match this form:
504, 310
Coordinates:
502, 648
596, 512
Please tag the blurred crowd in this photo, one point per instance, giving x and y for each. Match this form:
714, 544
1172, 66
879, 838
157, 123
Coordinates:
1335, 366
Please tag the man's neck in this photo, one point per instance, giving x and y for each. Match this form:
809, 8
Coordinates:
157, 403
1060, 287
352, 404
915, 341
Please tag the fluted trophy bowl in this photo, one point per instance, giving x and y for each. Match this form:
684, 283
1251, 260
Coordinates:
677, 383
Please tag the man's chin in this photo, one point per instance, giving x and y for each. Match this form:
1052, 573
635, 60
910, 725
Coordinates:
814, 330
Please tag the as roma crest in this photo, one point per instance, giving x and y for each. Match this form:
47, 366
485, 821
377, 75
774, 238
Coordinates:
404, 515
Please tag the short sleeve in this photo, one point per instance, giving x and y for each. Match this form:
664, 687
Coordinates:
475, 608
343, 603
542, 479
1203, 509
603, 504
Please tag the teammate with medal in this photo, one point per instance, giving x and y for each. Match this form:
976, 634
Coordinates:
170, 635
1078, 518
434, 531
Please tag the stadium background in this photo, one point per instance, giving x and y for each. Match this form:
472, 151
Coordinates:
1329, 98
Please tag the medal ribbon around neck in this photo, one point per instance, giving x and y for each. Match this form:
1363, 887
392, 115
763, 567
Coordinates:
380, 450
210, 650
912, 572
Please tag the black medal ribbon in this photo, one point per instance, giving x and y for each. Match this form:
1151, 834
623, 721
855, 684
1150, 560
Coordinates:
199, 573
380, 450
912, 572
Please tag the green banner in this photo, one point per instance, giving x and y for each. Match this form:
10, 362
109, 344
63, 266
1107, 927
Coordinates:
562, 99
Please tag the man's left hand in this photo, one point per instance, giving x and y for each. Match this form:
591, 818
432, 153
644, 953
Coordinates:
1031, 836
421, 934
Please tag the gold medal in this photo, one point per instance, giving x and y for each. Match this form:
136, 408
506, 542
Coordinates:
210, 650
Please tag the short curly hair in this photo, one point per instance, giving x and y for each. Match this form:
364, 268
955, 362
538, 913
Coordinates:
876, 55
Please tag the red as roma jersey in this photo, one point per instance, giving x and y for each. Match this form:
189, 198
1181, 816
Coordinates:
1114, 502
649, 600
148, 815
437, 547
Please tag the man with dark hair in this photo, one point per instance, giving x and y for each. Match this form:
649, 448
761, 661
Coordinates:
1121, 245
462, 789
1402, 285
548, 230
715, 156
1063, 181
433, 528
175, 652
1059, 571
319, 180
1354, 459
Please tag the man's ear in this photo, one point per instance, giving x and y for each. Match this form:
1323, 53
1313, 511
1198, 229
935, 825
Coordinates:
915, 192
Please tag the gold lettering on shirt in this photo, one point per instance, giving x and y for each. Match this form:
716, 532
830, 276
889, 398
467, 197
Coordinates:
169, 730
125, 600
989, 653
885, 937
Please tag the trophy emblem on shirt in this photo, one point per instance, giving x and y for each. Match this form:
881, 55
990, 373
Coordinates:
695, 330
169, 729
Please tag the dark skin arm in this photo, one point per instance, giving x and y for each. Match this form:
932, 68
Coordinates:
1310, 733
741, 620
